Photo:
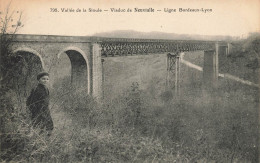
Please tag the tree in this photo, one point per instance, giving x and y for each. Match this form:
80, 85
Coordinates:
10, 23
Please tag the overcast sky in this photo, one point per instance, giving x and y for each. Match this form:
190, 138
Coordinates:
228, 17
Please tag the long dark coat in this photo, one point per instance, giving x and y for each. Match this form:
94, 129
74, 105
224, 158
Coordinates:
38, 104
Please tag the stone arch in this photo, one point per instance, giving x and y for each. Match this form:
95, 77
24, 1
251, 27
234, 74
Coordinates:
32, 51
26, 70
75, 55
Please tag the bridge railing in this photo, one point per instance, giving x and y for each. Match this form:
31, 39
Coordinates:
137, 48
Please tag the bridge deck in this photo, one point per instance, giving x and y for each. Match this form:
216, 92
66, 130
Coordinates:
126, 46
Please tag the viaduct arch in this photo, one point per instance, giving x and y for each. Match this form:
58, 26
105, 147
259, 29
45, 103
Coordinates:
29, 50
79, 67
29, 64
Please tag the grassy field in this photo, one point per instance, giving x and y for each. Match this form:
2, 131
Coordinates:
150, 71
121, 72
198, 125
142, 120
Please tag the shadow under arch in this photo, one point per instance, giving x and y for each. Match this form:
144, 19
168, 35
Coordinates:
79, 64
28, 64
32, 51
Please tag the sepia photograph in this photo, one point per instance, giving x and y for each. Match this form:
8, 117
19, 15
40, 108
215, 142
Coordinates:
130, 81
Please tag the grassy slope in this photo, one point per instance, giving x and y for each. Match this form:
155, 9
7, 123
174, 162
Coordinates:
213, 117
204, 125
147, 70
121, 72
218, 113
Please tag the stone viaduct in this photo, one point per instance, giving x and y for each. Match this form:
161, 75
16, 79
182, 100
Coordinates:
85, 54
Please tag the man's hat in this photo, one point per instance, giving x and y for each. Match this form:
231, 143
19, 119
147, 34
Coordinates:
41, 74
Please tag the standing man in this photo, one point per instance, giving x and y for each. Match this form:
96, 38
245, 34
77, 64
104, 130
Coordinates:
38, 104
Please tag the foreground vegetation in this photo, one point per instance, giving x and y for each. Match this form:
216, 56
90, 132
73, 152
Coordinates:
140, 124
218, 127
244, 59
